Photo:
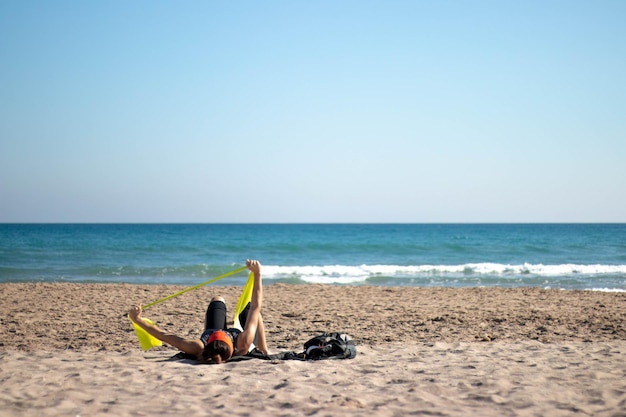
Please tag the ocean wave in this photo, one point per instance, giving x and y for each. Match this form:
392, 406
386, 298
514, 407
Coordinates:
608, 289
565, 276
362, 272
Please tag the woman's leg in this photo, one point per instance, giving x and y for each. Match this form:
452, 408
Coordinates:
243, 316
216, 314
259, 339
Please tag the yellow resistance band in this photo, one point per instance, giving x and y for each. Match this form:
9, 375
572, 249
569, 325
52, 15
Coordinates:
202, 284
147, 341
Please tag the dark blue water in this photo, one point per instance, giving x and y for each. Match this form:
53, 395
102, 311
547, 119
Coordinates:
568, 256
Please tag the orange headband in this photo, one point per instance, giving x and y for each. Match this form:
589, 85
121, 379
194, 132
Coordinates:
221, 335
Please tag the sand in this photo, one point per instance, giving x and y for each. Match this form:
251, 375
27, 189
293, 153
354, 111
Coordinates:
69, 350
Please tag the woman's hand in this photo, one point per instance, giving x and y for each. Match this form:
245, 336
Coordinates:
253, 265
135, 313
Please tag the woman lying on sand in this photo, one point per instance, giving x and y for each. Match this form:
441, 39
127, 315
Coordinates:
217, 343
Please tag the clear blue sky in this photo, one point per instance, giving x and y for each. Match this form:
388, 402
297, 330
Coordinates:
318, 111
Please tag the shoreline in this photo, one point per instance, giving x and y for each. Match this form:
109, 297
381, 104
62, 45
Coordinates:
268, 283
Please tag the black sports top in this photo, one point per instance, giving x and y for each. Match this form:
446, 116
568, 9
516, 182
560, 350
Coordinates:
233, 333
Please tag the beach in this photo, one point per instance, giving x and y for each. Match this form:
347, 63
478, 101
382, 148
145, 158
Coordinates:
68, 349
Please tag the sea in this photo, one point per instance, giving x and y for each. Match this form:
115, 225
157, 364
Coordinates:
558, 256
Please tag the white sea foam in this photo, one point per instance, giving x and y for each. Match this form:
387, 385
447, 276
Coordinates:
472, 268
493, 272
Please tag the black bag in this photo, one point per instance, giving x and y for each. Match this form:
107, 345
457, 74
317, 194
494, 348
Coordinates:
333, 345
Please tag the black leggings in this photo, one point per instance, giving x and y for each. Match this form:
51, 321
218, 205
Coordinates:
216, 316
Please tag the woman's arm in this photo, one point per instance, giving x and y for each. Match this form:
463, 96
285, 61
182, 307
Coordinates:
246, 338
192, 347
